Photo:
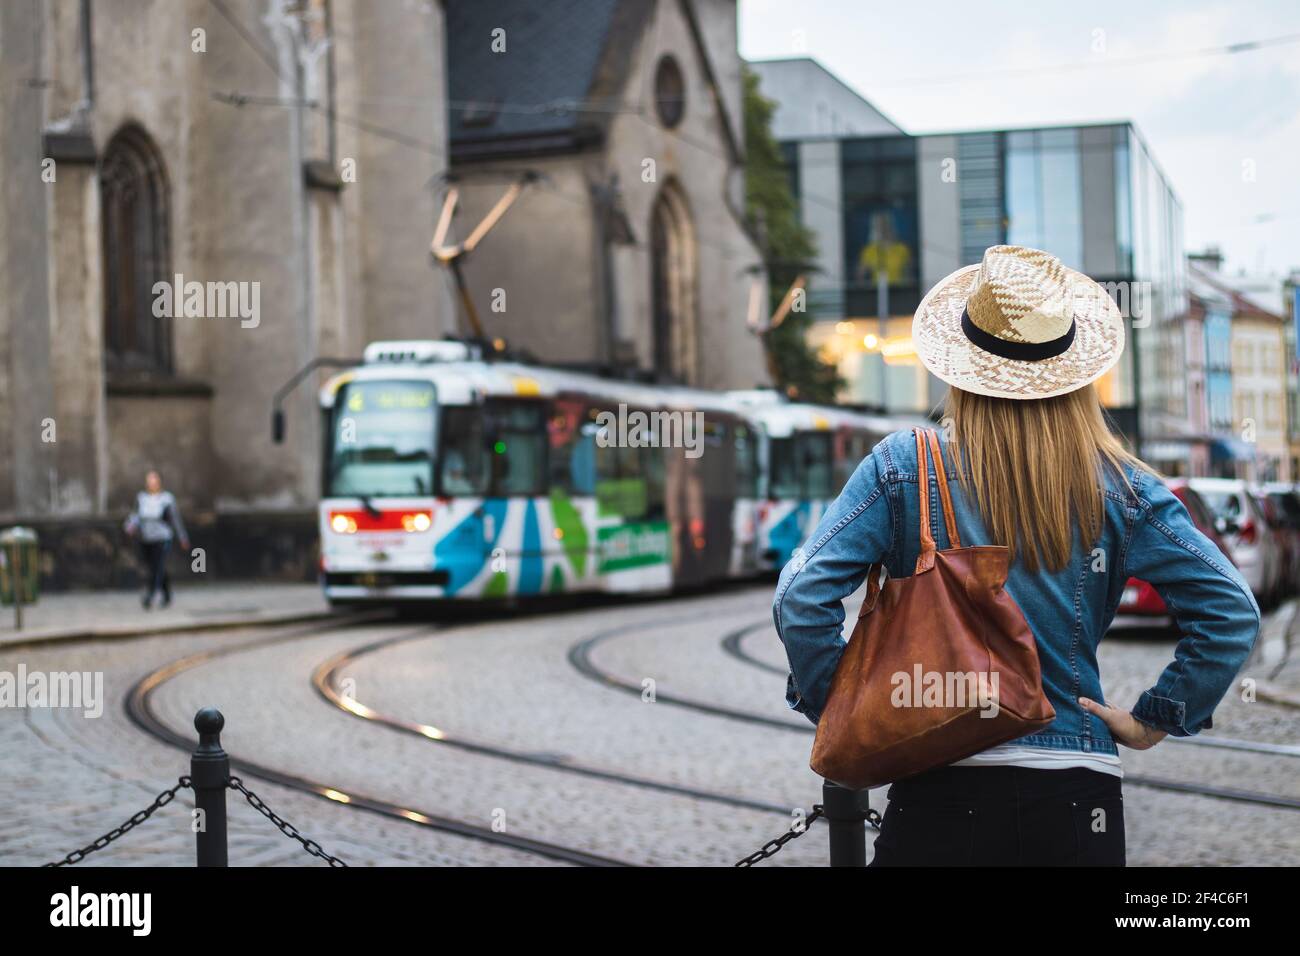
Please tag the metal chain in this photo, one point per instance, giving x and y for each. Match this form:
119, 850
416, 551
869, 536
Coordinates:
164, 798
768, 849
285, 827
772, 847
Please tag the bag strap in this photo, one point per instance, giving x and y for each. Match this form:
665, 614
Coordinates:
925, 560
875, 576
941, 475
927, 443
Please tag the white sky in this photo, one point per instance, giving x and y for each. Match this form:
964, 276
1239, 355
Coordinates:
1204, 117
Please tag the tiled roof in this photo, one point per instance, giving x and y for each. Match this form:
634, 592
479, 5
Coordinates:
552, 89
1243, 304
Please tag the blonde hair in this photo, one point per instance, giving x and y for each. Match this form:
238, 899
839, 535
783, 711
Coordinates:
1035, 469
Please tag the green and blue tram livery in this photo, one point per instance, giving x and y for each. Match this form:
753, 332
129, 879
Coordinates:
449, 476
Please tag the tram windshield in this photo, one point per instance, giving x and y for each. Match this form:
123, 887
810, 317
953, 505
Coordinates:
801, 466
381, 440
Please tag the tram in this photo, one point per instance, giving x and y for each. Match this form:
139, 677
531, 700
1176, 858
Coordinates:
810, 453
450, 476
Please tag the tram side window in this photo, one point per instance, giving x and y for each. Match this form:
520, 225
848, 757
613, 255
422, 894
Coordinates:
815, 460
572, 448
517, 432
802, 466
746, 462
461, 470
783, 482
719, 463
629, 480
852, 447
651, 465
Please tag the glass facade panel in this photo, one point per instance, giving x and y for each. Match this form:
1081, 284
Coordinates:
979, 159
1044, 201
1123, 207
790, 159
1158, 298
1062, 207
1024, 222
881, 230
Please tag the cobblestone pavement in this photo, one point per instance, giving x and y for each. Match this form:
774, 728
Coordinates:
69, 779
509, 683
107, 613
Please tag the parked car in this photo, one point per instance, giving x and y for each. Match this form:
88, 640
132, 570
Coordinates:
1252, 544
1141, 605
1281, 507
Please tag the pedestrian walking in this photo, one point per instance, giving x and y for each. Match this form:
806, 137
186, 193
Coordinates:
156, 523
1032, 484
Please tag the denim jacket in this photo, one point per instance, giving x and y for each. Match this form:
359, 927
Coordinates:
1147, 534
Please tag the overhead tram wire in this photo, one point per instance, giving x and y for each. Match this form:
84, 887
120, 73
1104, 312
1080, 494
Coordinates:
250, 99
262, 53
240, 99
1101, 63
590, 106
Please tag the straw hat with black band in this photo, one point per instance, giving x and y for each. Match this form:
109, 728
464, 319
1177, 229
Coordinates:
1018, 325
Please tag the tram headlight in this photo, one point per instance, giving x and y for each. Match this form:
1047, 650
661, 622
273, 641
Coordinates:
343, 524
419, 521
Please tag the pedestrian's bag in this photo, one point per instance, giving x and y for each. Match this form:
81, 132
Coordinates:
931, 656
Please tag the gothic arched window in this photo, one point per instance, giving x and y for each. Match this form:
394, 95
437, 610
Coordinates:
672, 286
134, 217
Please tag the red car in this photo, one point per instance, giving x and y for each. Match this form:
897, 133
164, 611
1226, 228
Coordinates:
1140, 605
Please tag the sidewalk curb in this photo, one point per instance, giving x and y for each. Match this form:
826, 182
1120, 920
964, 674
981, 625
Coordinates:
123, 632
1265, 690
1271, 695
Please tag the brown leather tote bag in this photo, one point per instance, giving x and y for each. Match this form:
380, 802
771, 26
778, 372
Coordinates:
940, 665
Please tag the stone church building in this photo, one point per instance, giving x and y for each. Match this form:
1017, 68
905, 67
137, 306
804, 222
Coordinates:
282, 166
631, 246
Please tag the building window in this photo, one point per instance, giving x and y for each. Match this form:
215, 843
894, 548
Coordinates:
672, 274
1044, 192
670, 92
1272, 413
1123, 207
979, 157
880, 225
134, 216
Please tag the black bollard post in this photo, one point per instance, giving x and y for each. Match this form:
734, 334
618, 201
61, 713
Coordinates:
209, 775
846, 813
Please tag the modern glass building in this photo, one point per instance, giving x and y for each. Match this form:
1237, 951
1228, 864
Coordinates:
1094, 197
894, 214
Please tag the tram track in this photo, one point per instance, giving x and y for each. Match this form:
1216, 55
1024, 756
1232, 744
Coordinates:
140, 710
733, 644
325, 681
580, 657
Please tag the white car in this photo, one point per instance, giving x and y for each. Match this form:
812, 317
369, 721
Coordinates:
1238, 518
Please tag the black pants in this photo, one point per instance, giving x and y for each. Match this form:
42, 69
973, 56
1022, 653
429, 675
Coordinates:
1003, 816
155, 560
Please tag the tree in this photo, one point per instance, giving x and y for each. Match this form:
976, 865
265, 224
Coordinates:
788, 250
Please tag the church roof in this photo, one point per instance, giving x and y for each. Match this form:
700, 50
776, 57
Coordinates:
552, 88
